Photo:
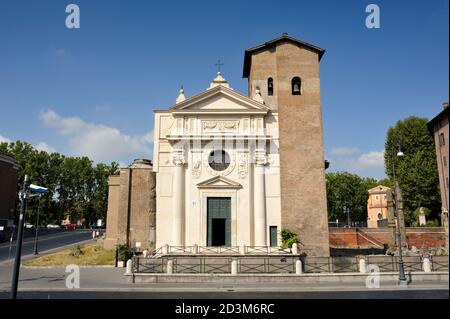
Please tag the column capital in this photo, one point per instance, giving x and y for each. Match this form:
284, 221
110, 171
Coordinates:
261, 159
178, 161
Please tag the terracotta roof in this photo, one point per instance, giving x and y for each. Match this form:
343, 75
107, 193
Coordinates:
285, 37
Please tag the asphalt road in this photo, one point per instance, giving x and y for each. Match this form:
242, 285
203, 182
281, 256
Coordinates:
378, 294
46, 242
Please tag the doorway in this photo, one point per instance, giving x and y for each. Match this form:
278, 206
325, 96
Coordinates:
219, 221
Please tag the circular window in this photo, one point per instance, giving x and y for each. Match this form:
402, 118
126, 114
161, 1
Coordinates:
219, 160
380, 216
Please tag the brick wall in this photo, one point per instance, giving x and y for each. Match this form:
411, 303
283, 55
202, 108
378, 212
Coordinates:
424, 237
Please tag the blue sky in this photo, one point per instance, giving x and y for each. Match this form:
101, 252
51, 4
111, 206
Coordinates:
92, 91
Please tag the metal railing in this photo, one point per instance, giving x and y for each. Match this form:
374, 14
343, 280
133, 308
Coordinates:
280, 264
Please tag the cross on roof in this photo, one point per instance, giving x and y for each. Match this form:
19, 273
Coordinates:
219, 64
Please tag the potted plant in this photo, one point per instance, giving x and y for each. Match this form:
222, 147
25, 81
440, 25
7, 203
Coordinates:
288, 238
122, 254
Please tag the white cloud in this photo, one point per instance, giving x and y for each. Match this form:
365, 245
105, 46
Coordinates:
44, 147
340, 151
4, 139
60, 52
371, 159
351, 159
99, 142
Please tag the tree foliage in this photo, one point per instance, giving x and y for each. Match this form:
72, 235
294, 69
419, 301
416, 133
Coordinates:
416, 171
350, 191
76, 187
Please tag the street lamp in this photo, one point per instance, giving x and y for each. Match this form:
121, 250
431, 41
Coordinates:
36, 231
401, 267
23, 196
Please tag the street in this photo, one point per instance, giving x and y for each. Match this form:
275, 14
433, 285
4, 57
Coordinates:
375, 294
46, 242
110, 282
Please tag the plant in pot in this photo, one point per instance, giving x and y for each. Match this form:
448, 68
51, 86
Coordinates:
122, 254
288, 238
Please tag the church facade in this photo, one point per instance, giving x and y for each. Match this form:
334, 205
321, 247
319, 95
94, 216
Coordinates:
233, 170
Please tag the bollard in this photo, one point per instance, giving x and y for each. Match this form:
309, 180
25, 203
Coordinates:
426, 264
298, 267
362, 266
195, 249
145, 253
129, 269
165, 249
234, 267
294, 249
242, 249
170, 267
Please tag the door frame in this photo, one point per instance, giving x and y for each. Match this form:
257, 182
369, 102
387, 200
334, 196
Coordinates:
204, 194
209, 218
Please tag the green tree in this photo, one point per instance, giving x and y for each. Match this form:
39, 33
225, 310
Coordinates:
346, 190
416, 171
76, 187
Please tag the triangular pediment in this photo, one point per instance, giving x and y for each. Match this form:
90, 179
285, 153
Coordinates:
219, 99
219, 182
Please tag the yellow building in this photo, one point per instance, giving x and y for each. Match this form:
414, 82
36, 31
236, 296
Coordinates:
377, 207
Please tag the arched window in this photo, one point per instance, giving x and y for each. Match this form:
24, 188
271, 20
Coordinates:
296, 86
269, 86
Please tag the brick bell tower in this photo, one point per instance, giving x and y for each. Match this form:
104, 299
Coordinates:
286, 72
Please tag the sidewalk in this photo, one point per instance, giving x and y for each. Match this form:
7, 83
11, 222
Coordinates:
110, 279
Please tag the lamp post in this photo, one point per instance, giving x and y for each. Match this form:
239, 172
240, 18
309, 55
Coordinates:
36, 231
401, 267
23, 195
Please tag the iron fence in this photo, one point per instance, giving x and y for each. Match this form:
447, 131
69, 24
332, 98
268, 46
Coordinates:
281, 264
439, 263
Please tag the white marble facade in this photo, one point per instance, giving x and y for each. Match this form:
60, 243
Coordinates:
218, 119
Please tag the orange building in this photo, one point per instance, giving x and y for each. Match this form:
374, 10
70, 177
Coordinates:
377, 209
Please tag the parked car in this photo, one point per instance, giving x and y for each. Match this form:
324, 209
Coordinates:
28, 225
70, 226
2, 237
53, 226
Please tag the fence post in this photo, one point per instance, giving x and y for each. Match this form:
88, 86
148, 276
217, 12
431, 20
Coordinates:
242, 249
234, 267
165, 249
298, 267
426, 264
170, 267
129, 267
362, 266
195, 249
295, 249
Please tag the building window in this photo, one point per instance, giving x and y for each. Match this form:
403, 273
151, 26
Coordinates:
441, 139
219, 160
269, 86
376, 197
296, 86
380, 216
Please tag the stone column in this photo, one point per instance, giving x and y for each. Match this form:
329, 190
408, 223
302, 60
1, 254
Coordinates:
260, 202
178, 203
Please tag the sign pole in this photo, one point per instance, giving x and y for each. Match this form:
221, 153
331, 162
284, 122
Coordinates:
23, 207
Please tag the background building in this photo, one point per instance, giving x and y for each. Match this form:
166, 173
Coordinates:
377, 208
438, 127
8, 190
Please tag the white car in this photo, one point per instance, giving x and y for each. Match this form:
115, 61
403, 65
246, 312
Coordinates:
28, 225
53, 226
